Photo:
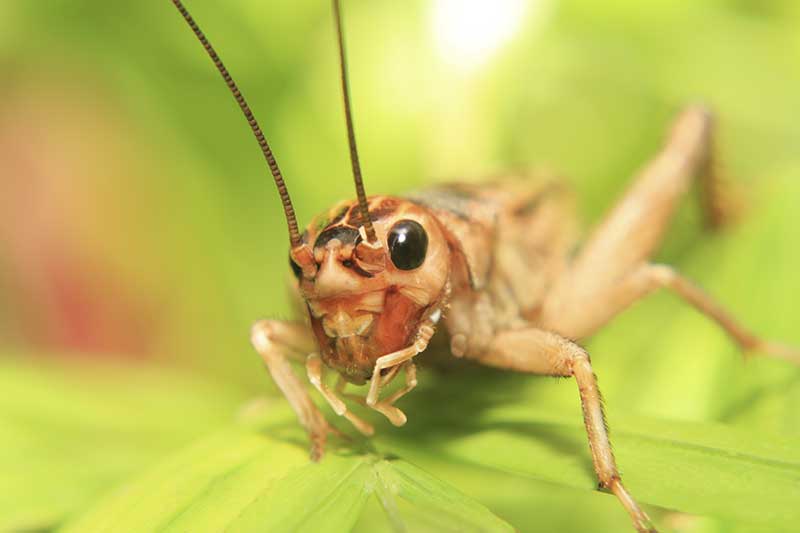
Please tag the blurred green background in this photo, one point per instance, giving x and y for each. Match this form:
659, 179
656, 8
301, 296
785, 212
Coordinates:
141, 234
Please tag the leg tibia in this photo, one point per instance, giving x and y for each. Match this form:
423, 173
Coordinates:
664, 276
275, 341
542, 352
593, 417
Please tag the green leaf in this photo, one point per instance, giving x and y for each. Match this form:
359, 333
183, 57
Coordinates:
251, 479
706, 469
428, 503
71, 432
510, 456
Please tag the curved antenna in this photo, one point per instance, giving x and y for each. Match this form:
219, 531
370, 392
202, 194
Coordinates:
351, 135
288, 210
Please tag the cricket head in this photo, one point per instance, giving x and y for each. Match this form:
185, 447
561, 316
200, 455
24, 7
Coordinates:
371, 271
368, 298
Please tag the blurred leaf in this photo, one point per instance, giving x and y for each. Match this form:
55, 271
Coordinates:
245, 480
69, 433
259, 478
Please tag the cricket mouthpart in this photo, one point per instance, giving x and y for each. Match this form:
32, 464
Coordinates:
340, 324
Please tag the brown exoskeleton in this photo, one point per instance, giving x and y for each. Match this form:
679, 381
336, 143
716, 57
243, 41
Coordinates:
491, 263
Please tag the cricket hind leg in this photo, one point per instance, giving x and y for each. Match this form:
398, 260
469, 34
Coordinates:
276, 341
645, 280
611, 271
634, 227
542, 352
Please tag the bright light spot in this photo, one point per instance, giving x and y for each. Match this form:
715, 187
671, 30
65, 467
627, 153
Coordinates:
468, 32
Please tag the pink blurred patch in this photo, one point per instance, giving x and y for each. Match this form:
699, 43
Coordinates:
57, 290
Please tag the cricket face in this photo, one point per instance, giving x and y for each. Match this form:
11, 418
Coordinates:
365, 299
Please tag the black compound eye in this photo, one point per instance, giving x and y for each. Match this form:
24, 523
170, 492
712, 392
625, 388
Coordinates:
408, 244
298, 272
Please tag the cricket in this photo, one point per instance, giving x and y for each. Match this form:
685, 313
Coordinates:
496, 267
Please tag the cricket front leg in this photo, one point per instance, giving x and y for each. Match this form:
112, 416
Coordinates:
276, 341
386, 406
394, 359
542, 352
315, 370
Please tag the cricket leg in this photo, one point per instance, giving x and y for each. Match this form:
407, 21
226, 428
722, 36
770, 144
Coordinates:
386, 407
582, 320
314, 368
635, 226
542, 352
275, 341
411, 383
396, 358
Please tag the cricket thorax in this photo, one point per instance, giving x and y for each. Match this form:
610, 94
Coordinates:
366, 300
510, 240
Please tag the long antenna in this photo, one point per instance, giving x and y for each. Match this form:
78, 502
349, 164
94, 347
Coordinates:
288, 210
351, 135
